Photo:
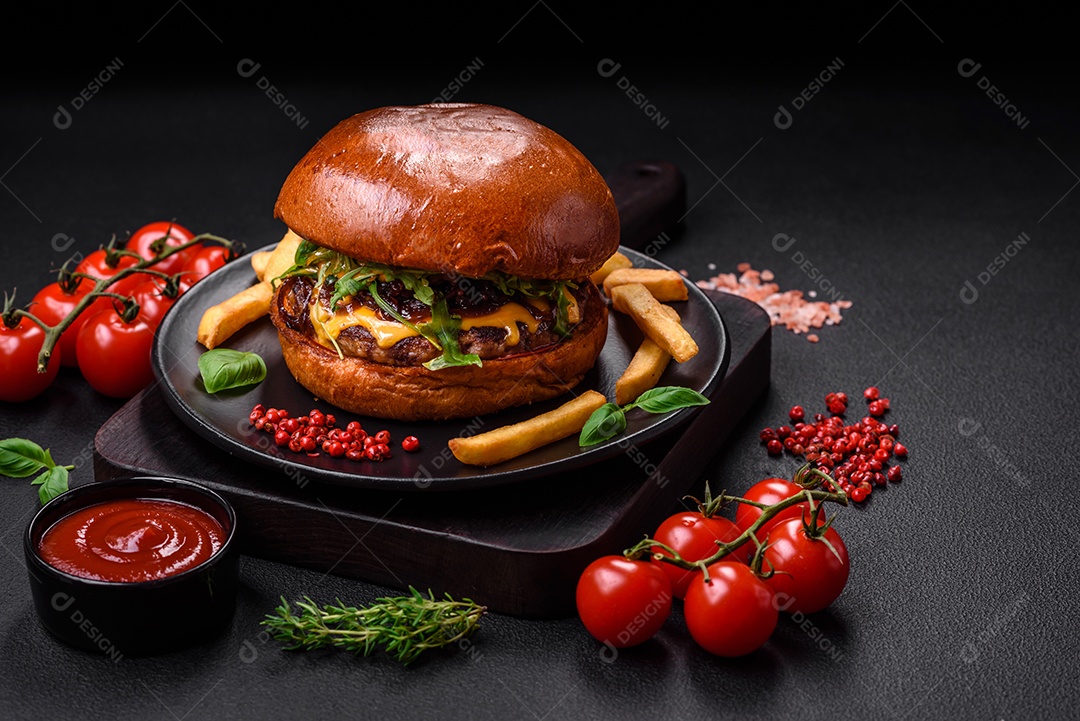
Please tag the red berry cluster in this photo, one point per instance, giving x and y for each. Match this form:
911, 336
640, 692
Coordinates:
317, 430
857, 455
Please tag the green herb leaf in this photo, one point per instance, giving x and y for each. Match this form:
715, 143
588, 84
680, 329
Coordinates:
562, 311
347, 285
668, 398
445, 328
606, 422
51, 483
20, 458
223, 368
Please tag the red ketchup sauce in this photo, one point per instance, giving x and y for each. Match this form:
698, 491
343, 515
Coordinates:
132, 540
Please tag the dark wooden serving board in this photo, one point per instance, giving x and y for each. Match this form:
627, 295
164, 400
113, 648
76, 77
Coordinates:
517, 549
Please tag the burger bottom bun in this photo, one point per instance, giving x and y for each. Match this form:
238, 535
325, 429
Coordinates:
413, 393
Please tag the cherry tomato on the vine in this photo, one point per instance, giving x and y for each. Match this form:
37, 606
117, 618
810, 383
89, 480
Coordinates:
206, 261
143, 238
97, 265
19, 348
113, 355
53, 303
734, 613
694, 536
153, 303
769, 492
623, 602
810, 572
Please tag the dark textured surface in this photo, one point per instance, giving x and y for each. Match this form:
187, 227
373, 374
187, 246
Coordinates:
901, 180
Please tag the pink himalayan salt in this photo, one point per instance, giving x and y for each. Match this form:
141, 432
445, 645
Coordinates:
787, 308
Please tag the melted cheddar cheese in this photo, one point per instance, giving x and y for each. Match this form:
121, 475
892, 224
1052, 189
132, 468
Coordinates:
328, 326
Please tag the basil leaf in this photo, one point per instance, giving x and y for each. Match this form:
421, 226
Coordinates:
446, 327
223, 368
20, 458
668, 398
51, 483
606, 422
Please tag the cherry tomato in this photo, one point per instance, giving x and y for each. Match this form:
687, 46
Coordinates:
733, 614
114, 356
206, 261
769, 491
810, 572
694, 537
97, 265
153, 303
19, 348
623, 602
52, 304
141, 240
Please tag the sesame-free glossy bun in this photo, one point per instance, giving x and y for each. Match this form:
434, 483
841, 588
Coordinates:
412, 393
453, 187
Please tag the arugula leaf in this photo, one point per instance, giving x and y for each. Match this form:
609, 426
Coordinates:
392, 312
562, 312
223, 368
446, 327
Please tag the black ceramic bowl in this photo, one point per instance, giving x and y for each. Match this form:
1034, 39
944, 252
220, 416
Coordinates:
139, 618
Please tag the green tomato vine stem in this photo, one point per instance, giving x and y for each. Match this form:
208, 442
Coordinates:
806, 477
101, 285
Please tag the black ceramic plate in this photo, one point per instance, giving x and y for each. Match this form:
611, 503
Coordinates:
222, 419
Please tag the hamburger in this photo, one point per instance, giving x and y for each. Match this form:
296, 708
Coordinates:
444, 265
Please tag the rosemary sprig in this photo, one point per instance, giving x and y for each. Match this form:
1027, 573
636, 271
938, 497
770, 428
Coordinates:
403, 626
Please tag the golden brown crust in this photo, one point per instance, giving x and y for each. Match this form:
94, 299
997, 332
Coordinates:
414, 393
467, 188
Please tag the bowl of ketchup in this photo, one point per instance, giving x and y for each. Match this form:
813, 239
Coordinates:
134, 566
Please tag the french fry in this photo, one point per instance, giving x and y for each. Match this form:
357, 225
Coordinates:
665, 285
644, 371
619, 260
282, 256
502, 444
635, 300
221, 321
259, 260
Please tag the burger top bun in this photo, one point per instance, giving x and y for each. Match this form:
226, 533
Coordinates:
453, 187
